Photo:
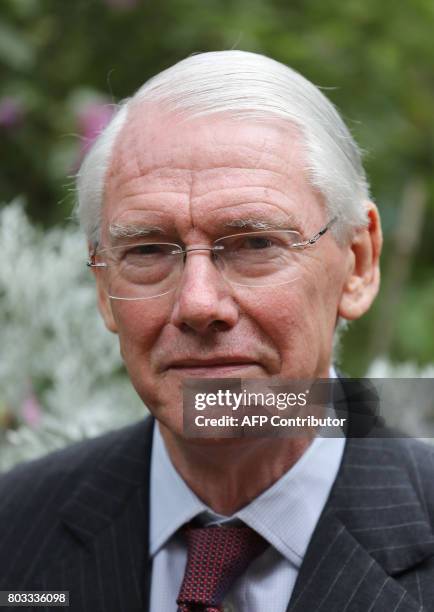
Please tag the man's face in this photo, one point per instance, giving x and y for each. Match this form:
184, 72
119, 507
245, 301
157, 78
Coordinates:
192, 179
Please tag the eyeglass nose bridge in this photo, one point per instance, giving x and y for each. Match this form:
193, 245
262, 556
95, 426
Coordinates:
198, 247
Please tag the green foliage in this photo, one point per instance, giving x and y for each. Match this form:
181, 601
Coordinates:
374, 59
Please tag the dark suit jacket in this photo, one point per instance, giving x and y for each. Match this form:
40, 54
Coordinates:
77, 520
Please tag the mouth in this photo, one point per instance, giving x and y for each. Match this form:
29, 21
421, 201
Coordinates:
212, 367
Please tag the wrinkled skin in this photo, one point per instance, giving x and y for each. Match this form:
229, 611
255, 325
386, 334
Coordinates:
190, 178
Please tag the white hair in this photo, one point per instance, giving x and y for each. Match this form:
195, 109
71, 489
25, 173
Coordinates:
245, 86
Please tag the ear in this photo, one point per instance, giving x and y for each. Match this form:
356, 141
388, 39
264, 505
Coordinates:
363, 274
104, 302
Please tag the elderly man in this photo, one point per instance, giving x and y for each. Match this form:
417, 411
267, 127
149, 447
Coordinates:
230, 233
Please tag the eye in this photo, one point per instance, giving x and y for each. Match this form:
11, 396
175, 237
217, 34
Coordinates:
144, 254
257, 243
145, 249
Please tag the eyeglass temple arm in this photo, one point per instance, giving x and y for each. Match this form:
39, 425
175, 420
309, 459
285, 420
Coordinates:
317, 235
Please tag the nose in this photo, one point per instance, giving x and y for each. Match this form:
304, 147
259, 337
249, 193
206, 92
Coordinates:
204, 300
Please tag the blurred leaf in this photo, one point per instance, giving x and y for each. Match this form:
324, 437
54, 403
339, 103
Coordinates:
15, 51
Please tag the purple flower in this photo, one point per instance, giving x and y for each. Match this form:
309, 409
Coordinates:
31, 410
92, 119
11, 112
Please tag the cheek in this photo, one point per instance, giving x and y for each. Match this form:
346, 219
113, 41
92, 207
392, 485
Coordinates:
139, 325
285, 316
299, 320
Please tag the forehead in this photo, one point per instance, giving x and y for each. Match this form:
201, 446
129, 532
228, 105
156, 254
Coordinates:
167, 168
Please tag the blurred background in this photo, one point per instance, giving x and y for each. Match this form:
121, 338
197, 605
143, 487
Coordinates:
63, 66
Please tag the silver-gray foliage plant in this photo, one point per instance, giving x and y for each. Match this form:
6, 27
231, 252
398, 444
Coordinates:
53, 344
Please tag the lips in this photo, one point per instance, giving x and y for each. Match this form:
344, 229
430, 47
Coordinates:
212, 363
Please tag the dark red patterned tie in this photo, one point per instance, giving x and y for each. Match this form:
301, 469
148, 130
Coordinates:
217, 556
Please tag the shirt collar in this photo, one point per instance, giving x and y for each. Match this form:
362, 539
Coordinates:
285, 514
172, 503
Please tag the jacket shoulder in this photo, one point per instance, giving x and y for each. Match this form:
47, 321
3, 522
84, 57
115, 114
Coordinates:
37, 482
418, 458
414, 458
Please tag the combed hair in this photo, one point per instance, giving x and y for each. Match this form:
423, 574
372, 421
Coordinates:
244, 86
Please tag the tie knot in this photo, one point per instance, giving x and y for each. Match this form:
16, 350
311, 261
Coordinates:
217, 556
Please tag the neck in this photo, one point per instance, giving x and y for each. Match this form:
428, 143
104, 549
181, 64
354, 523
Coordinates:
227, 474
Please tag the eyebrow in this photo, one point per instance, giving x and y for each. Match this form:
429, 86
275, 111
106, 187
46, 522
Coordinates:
117, 230
259, 224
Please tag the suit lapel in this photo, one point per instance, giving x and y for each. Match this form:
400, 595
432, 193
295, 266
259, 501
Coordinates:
106, 522
372, 531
